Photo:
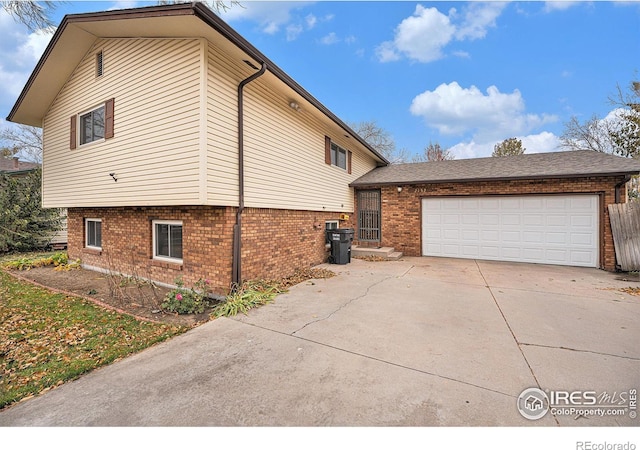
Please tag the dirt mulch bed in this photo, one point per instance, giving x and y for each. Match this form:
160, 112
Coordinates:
139, 299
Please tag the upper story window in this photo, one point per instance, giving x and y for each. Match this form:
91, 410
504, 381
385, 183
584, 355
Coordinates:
92, 126
336, 155
99, 64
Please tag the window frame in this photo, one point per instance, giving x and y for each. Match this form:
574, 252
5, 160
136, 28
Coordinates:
86, 233
154, 239
336, 150
102, 106
332, 222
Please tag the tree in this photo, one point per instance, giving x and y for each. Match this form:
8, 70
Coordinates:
24, 224
618, 133
21, 140
380, 140
626, 136
36, 15
434, 152
509, 147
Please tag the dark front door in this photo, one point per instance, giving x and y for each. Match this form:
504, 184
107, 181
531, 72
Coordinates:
369, 219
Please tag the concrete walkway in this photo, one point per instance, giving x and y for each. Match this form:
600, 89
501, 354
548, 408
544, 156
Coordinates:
421, 341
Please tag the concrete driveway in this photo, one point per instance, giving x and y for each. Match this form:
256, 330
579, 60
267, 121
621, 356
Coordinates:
420, 341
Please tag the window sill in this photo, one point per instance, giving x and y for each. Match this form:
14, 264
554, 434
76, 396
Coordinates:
166, 264
92, 251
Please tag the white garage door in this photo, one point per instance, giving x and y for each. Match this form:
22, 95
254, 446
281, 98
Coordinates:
549, 229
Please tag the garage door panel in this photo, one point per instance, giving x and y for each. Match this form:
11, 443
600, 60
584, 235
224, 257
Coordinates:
510, 219
555, 220
489, 236
489, 219
533, 219
554, 237
544, 229
471, 235
533, 237
470, 251
510, 236
582, 239
557, 255
582, 221
451, 234
580, 258
533, 253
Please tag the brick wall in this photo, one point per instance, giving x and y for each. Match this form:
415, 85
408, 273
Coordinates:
275, 242
401, 211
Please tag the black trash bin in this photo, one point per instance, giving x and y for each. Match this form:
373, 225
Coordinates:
340, 240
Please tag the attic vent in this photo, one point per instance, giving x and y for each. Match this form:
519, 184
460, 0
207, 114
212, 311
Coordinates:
99, 67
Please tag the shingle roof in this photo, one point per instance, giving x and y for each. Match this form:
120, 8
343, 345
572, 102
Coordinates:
529, 166
15, 165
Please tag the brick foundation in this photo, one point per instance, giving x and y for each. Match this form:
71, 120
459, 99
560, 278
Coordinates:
274, 242
401, 211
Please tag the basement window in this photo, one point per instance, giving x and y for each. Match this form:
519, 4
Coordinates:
99, 64
93, 233
167, 240
331, 225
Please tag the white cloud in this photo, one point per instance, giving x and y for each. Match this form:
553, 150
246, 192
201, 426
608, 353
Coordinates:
461, 54
293, 31
478, 17
123, 4
424, 36
350, 39
544, 142
455, 110
386, 52
421, 37
311, 21
559, 5
330, 39
270, 16
19, 53
533, 143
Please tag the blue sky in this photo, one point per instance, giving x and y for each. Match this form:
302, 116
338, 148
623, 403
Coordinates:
464, 74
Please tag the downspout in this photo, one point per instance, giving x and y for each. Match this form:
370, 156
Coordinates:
618, 186
236, 267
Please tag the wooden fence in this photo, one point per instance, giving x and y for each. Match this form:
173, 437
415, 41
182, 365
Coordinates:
625, 225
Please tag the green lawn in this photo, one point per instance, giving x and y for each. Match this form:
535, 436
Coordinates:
48, 338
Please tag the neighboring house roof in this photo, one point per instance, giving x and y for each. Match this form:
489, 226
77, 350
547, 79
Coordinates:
529, 166
77, 33
14, 165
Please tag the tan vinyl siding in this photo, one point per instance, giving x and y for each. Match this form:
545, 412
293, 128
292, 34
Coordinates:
222, 131
155, 151
285, 157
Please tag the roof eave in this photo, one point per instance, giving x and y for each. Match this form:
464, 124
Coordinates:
357, 184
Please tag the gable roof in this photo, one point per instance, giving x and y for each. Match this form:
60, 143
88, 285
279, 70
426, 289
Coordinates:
78, 32
569, 164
